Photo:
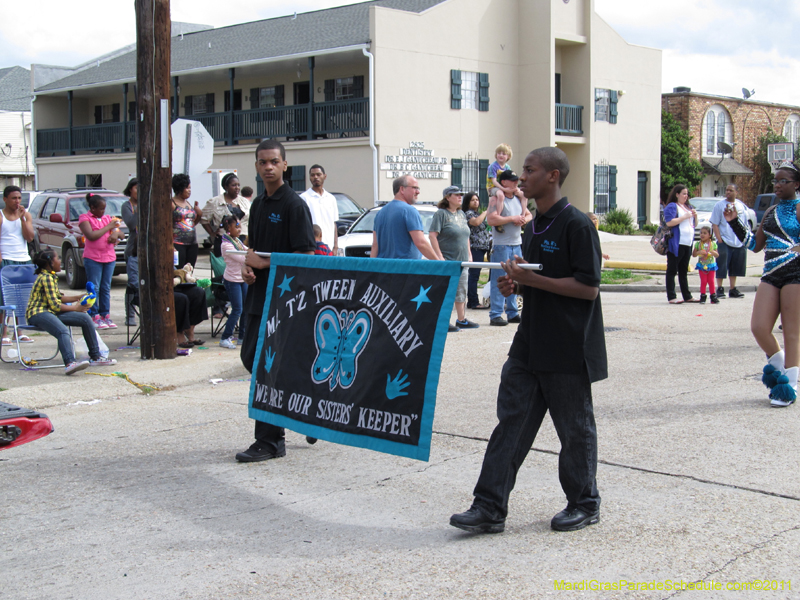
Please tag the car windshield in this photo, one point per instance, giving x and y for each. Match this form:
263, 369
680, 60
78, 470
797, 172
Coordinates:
78, 206
704, 204
347, 207
367, 222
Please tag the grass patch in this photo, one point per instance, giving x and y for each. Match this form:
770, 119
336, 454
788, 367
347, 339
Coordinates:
617, 276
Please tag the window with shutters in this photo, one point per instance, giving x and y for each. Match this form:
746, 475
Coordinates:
344, 88
266, 97
601, 101
601, 188
107, 113
469, 90
199, 105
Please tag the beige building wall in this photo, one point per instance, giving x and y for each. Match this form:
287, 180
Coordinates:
633, 144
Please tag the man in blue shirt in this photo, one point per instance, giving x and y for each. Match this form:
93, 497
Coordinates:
398, 231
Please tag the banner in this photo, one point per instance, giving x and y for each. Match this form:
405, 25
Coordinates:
349, 349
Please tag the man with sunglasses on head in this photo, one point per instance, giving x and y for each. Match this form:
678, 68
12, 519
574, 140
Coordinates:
732, 253
398, 230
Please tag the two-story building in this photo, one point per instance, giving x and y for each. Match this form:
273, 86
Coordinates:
16, 148
372, 90
720, 122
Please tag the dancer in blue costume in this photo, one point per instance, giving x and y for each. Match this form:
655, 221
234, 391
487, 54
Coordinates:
779, 290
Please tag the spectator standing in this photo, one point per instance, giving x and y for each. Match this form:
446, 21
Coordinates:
732, 253
682, 217
232, 279
130, 215
279, 222
398, 230
480, 244
228, 203
507, 219
449, 235
323, 207
185, 218
16, 230
99, 257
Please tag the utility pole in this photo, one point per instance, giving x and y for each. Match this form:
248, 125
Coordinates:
153, 157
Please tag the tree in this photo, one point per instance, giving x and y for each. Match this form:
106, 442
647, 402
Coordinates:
762, 172
677, 165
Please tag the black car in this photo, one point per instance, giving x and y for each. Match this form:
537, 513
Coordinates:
349, 211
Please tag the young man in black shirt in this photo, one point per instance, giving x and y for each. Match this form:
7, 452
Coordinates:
557, 352
279, 222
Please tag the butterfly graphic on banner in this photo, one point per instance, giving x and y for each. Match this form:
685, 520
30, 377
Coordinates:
340, 339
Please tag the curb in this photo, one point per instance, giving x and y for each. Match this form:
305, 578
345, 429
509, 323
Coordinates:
630, 287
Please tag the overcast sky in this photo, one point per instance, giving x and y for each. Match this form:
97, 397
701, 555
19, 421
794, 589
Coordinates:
713, 46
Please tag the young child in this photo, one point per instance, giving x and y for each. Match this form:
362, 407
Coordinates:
49, 309
322, 247
232, 279
706, 251
596, 222
494, 188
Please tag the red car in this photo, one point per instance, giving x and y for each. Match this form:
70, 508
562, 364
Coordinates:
55, 225
20, 425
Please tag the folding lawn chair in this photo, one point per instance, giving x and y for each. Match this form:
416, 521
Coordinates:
17, 282
217, 295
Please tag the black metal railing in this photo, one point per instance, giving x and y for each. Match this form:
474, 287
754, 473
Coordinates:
569, 119
342, 118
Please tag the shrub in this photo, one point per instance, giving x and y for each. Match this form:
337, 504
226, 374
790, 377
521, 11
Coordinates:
621, 216
649, 228
615, 228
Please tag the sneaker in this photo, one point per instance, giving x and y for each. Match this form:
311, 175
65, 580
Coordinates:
734, 293
475, 520
452, 329
257, 453
311, 440
703, 298
720, 292
97, 321
498, 322
714, 299
109, 323
515, 319
103, 362
466, 324
74, 367
230, 344
573, 518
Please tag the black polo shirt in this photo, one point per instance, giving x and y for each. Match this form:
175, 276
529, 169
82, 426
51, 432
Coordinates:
278, 223
560, 334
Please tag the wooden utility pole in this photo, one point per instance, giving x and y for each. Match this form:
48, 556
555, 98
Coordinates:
157, 303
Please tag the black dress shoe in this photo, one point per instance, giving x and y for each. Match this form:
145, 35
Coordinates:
475, 520
573, 518
515, 319
258, 452
311, 440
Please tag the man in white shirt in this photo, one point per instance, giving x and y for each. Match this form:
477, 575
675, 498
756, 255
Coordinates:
323, 207
732, 253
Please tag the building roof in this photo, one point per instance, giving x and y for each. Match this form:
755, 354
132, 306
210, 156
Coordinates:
269, 38
755, 102
725, 166
15, 89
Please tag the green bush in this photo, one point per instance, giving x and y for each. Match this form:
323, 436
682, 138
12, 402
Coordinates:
615, 228
649, 228
620, 216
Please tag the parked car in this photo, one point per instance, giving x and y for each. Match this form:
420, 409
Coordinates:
762, 203
349, 211
358, 239
55, 225
704, 206
27, 197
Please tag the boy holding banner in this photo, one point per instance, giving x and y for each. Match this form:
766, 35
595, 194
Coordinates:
557, 353
279, 222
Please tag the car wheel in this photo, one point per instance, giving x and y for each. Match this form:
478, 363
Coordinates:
76, 274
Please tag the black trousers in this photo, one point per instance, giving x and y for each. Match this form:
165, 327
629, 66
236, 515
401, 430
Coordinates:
269, 435
190, 305
187, 253
680, 265
523, 399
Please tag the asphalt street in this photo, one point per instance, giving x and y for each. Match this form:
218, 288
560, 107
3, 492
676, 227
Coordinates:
138, 495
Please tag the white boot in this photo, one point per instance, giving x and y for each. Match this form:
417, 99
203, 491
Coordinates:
773, 369
785, 393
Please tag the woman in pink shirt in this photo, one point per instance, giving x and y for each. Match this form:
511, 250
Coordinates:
101, 232
232, 278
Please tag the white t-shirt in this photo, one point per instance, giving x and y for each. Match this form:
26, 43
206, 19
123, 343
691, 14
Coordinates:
686, 227
324, 212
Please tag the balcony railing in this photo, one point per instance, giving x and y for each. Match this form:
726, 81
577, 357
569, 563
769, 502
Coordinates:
342, 118
569, 119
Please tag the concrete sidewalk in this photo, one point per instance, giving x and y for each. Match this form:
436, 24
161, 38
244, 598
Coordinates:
139, 496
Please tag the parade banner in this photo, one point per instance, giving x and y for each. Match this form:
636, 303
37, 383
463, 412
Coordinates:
349, 349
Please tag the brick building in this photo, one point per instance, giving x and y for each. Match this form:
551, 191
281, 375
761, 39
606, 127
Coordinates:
740, 123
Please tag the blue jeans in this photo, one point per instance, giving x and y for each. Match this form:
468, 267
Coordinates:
100, 275
474, 274
502, 254
524, 397
58, 326
236, 293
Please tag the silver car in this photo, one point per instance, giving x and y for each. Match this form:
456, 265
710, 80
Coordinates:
704, 206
